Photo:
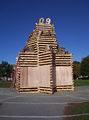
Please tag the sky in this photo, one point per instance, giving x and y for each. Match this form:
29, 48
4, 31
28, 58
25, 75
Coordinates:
18, 18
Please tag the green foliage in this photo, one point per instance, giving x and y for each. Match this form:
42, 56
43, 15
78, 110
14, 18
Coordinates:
76, 69
85, 66
5, 69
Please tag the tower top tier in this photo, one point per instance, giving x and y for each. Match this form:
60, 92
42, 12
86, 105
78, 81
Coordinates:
44, 25
48, 21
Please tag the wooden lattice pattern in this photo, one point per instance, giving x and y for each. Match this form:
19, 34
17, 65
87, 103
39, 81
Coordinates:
42, 65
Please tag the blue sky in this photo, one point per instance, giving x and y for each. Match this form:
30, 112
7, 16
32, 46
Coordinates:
18, 18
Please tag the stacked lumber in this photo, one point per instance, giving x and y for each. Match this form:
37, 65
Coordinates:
42, 60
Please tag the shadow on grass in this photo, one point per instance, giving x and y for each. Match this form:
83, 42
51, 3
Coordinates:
77, 108
5, 84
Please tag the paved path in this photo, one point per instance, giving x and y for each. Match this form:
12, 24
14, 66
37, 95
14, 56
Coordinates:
20, 106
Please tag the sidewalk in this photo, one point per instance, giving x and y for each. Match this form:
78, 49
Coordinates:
21, 106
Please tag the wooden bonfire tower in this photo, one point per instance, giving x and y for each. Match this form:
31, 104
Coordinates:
43, 66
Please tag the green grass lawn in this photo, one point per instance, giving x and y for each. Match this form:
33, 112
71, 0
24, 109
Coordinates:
77, 108
81, 82
83, 117
5, 84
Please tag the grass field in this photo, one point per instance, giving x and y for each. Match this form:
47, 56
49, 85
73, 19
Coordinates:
81, 82
5, 84
85, 117
77, 108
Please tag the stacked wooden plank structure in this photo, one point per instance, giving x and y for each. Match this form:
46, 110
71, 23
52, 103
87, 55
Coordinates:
43, 66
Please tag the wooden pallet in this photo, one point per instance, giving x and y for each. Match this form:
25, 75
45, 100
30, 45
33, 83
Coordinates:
65, 87
42, 49
45, 90
27, 89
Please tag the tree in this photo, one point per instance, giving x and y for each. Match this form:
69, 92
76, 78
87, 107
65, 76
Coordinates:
76, 69
5, 70
0, 70
85, 66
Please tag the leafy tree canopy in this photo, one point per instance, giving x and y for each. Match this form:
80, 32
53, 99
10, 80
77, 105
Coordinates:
76, 69
5, 69
85, 66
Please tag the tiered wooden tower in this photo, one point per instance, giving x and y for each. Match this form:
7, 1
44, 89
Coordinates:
43, 66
